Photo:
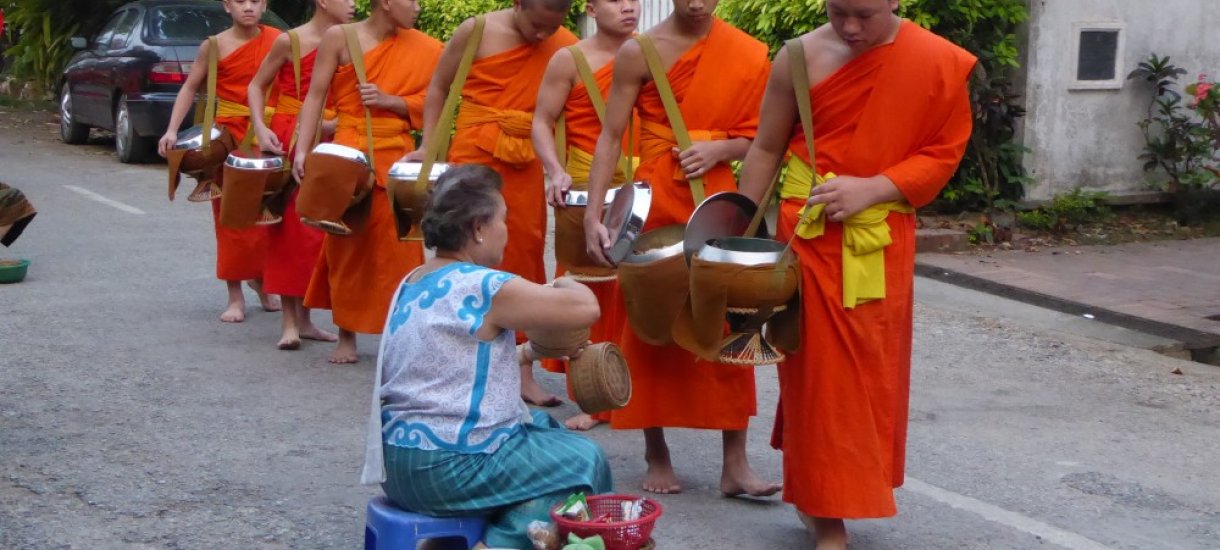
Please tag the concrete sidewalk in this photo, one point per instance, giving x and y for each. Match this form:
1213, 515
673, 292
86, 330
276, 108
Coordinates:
1169, 289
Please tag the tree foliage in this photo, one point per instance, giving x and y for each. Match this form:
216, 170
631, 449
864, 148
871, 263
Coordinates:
991, 174
439, 18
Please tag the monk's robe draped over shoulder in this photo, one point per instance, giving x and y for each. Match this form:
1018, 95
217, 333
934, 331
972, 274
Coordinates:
240, 253
357, 275
719, 85
902, 110
493, 128
293, 247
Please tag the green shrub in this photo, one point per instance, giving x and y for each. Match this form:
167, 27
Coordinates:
1067, 211
438, 18
992, 174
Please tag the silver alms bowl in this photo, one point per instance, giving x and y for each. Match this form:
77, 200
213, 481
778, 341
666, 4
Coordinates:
625, 217
409, 171
342, 151
192, 138
742, 251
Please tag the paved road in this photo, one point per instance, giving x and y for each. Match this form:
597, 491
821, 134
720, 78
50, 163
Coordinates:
131, 418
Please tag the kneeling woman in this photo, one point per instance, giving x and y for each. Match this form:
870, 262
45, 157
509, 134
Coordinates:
447, 410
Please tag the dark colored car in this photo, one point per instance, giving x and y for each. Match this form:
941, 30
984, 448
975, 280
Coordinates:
126, 78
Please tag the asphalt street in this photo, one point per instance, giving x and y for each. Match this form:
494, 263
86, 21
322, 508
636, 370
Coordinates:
130, 417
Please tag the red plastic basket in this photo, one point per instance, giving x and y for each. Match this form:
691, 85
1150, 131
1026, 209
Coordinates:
618, 534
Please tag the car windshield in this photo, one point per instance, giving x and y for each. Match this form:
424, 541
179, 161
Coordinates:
192, 24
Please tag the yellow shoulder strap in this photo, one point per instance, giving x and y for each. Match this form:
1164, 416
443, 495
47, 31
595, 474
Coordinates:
357, 54
800, 86
438, 142
585, 70
294, 42
209, 105
672, 112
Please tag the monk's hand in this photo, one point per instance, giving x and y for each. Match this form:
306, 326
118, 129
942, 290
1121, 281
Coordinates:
167, 142
557, 185
846, 196
597, 238
373, 97
414, 156
328, 129
298, 166
268, 141
700, 158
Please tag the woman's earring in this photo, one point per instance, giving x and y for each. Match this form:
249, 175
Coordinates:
478, 240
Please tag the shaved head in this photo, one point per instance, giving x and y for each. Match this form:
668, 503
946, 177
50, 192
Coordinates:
552, 5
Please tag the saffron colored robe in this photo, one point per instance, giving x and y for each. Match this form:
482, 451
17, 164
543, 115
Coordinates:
719, 85
902, 110
357, 275
240, 253
293, 247
493, 128
582, 127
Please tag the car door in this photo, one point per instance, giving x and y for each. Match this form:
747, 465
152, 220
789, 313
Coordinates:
116, 66
86, 78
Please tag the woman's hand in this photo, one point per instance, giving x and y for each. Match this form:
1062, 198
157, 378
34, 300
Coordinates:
700, 158
167, 142
557, 185
267, 140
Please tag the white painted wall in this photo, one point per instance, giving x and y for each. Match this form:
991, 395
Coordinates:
1090, 138
651, 13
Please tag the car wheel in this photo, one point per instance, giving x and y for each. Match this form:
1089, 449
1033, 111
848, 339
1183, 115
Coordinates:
130, 147
70, 131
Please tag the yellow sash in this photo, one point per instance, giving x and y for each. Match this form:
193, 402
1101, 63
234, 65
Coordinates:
865, 235
580, 163
513, 142
288, 105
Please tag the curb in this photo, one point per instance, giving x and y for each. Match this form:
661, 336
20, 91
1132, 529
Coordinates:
1201, 346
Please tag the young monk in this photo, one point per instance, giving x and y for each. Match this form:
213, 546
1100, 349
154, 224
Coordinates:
356, 276
718, 75
293, 247
494, 124
240, 253
563, 92
891, 117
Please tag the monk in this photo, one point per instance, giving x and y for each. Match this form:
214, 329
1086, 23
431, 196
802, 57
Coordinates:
718, 75
494, 124
564, 93
293, 247
357, 275
240, 253
891, 118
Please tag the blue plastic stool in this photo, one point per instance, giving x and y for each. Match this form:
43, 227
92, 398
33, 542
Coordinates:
389, 527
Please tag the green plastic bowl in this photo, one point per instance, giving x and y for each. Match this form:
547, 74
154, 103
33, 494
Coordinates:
13, 273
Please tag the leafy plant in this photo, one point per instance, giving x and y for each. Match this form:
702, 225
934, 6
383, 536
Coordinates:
1066, 211
1181, 139
992, 174
439, 18
42, 51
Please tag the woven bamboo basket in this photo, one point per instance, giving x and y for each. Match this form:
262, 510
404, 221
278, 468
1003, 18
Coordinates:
554, 344
599, 379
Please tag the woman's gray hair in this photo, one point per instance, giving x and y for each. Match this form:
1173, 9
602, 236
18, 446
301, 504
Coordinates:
463, 197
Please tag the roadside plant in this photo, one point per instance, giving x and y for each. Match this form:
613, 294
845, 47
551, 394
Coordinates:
1067, 211
1181, 136
439, 18
992, 173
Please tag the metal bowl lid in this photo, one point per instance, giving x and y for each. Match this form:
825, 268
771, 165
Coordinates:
742, 251
581, 198
722, 215
192, 138
658, 244
270, 162
625, 217
409, 171
343, 151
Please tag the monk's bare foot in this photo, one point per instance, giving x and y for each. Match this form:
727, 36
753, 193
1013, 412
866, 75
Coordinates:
270, 302
345, 352
315, 333
581, 422
661, 478
290, 340
741, 481
829, 533
235, 313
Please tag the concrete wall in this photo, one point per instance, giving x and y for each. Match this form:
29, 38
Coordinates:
1089, 138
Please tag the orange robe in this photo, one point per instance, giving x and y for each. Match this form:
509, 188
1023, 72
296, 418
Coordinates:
493, 128
357, 275
293, 247
240, 253
902, 110
582, 127
719, 85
